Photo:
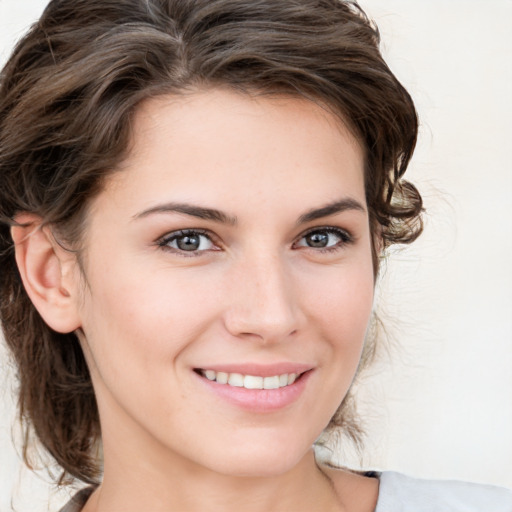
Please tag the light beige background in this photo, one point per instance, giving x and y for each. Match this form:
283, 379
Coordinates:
440, 405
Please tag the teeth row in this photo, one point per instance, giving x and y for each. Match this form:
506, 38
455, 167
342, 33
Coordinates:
251, 381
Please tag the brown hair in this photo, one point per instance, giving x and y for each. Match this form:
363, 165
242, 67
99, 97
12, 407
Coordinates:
67, 97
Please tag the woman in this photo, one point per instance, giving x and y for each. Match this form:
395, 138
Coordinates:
197, 196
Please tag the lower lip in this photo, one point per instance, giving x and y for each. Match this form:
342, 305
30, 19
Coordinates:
259, 400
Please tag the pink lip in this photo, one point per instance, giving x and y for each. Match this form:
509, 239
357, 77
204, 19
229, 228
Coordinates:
261, 370
258, 400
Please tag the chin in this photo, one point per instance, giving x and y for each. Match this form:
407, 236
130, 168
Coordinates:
259, 460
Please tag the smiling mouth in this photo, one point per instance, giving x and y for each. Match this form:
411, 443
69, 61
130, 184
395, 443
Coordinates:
250, 381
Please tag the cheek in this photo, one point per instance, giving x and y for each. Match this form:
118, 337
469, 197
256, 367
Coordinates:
143, 321
342, 301
341, 313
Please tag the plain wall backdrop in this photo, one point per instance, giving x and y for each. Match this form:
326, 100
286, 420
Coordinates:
440, 404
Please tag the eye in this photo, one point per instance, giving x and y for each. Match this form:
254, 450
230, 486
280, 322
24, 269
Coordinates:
328, 238
189, 240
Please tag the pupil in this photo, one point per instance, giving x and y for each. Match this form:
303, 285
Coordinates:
318, 239
188, 242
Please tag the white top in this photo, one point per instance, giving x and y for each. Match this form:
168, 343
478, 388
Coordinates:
401, 493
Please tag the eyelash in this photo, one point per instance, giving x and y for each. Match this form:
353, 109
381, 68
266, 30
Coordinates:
345, 239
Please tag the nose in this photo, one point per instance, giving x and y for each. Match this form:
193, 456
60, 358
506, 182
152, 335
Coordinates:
263, 303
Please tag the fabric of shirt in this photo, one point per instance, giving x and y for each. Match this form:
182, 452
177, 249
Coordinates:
401, 493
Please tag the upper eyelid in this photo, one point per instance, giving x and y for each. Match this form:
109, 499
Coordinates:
332, 229
162, 240
183, 232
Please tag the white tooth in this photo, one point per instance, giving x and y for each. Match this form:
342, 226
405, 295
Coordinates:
271, 382
252, 382
210, 374
222, 378
291, 378
236, 379
283, 380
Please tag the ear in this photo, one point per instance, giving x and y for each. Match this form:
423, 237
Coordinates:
49, 273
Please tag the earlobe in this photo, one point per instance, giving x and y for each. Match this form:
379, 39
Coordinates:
48, 273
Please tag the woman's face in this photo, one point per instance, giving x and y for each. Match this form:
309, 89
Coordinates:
233, 244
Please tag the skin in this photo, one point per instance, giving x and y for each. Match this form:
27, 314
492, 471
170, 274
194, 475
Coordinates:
255, 291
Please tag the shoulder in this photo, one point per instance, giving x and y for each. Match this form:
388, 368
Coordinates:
401, 493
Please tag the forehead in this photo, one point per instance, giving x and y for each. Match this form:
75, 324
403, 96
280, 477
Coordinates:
224, 146
228, 110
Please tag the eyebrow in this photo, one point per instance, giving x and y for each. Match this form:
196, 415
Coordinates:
188, 209
339, 206
215, 215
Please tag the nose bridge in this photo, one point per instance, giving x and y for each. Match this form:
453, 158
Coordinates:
263, 302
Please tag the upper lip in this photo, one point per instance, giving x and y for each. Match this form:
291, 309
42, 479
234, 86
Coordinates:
258, 369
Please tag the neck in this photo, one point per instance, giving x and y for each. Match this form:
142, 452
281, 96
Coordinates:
143, 486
